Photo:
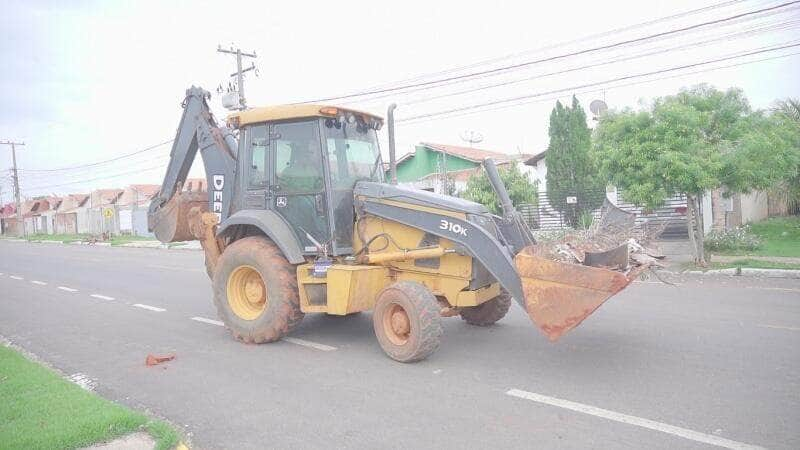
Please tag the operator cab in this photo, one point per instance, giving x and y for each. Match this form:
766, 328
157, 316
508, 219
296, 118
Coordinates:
303, 161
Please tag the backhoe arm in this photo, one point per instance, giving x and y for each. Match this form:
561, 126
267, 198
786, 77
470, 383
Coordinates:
174, 215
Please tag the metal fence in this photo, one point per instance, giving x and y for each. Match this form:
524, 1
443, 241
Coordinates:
583, 208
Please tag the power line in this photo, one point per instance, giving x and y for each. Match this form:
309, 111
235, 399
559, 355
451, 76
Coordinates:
564, 55
613, 80
160, 166
128, 155
726, 37
603, 89
564, 44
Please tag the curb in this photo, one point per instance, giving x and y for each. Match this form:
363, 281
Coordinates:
746, 272
152, 245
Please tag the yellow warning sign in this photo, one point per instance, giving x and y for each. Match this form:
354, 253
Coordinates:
108, 213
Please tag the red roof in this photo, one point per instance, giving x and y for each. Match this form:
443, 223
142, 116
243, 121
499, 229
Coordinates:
469, 153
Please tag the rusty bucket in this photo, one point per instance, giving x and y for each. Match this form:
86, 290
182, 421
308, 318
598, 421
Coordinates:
559, 296
171, 223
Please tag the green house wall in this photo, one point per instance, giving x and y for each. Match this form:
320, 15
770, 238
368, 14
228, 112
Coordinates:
426, 162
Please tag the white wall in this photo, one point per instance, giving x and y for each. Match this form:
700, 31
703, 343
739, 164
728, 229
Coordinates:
755, 207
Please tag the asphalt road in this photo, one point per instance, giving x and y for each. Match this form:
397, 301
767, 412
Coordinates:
704, 363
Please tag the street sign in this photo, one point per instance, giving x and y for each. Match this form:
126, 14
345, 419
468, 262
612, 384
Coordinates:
572, 200
108, 213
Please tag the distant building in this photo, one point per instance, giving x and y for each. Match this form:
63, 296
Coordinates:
424, 168
132, 207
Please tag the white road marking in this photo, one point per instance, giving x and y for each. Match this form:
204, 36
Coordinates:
40, 283
14, 277
102, 297
83, 381
632, 420
209, 321
305, 343
151, 308
778, 327
68, 289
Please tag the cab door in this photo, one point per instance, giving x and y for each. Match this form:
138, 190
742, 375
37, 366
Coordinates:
255, 186
298, 181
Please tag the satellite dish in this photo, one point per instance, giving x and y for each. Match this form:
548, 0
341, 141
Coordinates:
598, 107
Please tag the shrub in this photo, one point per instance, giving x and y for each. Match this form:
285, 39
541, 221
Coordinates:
739, 238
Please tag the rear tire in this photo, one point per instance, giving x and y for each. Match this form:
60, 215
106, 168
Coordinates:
255, 291
407, 321
488, 312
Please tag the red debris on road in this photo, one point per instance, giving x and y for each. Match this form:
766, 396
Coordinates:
153, 360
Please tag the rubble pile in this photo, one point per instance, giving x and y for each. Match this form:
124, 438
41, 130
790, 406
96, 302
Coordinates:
613, 242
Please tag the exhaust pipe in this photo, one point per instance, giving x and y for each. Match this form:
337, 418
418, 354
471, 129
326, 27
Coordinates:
509, 212
392, 154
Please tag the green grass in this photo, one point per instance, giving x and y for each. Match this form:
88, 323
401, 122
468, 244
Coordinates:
780, 236
57, 237
744, 262
41, 410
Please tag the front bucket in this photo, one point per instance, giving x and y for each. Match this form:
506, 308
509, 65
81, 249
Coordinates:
558, 296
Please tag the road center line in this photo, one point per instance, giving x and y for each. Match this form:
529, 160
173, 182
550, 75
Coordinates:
778, 327
14, 277
148, 307
209, 321
40, 283
631, 420
305, 343
68, 289
101, 297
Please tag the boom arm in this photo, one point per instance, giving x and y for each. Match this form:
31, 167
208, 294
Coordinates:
168, 216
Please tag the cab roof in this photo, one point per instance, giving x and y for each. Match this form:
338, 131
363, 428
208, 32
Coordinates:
292, 111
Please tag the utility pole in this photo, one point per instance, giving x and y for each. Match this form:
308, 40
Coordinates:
20, 222
239, 72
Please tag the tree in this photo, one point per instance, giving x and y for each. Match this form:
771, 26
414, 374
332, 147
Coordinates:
519, 186
789, 110
698, 140
570, 170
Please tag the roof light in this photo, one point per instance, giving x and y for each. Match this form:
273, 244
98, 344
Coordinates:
329, 111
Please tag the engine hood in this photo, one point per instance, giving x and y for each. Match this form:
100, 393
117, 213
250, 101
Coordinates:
417, 197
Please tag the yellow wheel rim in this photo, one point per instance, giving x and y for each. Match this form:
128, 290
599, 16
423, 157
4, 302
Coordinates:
247, 295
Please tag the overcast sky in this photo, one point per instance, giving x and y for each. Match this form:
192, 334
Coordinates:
90, 81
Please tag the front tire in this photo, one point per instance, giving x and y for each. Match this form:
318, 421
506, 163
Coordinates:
488, 312
407, 321
255, 291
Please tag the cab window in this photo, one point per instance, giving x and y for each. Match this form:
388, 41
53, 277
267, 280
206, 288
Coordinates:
257, 176
298, 158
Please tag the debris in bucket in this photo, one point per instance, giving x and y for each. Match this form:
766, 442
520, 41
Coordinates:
613, 242
153, 360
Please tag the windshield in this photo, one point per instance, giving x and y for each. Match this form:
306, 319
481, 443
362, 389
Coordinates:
353, 153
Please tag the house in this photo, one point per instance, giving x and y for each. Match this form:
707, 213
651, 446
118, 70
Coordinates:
132, 207
103, 214
426, 166
72, 215
9, 224
32, 218
538, 169
48, 216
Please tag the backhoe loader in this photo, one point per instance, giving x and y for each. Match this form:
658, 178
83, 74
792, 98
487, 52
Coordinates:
300, 218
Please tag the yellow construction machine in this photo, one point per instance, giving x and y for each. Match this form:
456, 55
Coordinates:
299, 218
